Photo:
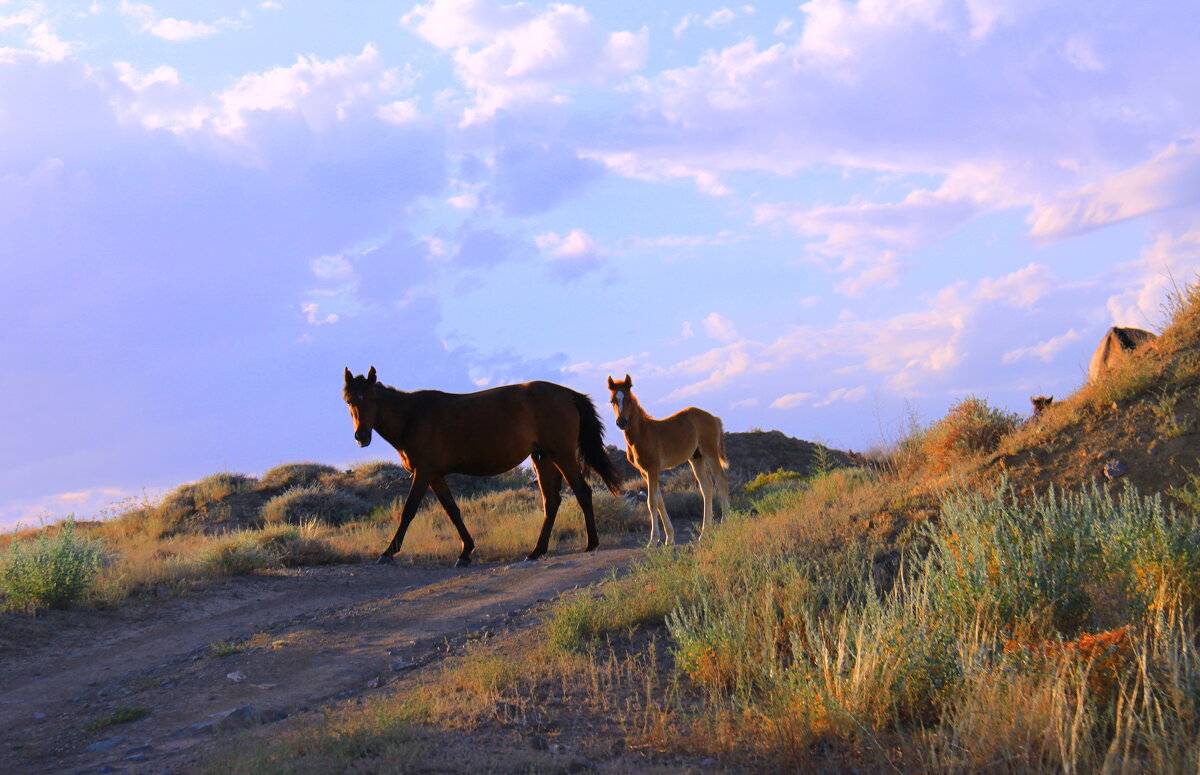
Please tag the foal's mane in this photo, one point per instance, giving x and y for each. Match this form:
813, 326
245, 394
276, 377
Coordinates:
638, 404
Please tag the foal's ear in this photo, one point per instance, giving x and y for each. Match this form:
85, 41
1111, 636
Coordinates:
611, 385
349, 376
628, 381
371, 376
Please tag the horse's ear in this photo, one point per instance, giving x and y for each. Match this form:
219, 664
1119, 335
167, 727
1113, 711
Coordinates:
611, 385
371, 376
349, 376
628, 381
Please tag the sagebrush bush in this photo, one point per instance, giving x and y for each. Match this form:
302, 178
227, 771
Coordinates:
55, 569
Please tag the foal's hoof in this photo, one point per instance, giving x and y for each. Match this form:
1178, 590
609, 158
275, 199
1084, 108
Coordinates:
384, 559
462, 562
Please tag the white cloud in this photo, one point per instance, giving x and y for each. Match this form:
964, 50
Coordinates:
721, 238
573, 255
1168, 264
1044, 351
720, 327
1022, 288
1169, 179
169, 28
792, 400
720, 18
507, 55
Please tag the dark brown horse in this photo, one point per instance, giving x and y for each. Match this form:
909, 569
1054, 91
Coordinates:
484, 434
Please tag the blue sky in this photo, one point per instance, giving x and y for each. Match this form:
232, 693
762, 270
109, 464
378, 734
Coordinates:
797, 216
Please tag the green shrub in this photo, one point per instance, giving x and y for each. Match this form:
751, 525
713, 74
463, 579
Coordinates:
55, 569
303, 504
777, 479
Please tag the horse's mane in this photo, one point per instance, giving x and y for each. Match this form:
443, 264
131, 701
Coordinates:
388, 394
639, 406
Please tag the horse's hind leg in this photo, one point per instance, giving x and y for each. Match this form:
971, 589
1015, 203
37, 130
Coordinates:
412, 502
550, 483
442, 491
704, 479
583, 494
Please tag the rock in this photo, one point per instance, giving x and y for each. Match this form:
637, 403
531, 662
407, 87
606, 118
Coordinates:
709, 762
139, 749
105, 745
376, 682
407, 664
1115, 469
237, 676
239, 718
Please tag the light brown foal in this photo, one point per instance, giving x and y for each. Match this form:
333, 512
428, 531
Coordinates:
692, 435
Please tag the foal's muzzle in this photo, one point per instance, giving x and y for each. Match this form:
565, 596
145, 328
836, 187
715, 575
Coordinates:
621, 423
363, 439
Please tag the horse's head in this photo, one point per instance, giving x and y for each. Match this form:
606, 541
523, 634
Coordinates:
359, 393
622, 399
1040, 403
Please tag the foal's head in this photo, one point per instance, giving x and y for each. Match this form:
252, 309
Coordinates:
360, 395
622, 399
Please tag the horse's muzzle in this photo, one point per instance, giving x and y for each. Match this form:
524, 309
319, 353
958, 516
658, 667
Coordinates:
364, 440
621, 423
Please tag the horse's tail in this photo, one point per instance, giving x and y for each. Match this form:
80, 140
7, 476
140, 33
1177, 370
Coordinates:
721, 444
591, 444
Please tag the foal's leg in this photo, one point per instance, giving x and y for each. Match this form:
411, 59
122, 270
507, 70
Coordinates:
704, 479
658, 511
442, 491
412, 502
550, 483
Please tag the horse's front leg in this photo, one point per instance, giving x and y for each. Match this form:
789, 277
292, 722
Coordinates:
442, 491
412, 502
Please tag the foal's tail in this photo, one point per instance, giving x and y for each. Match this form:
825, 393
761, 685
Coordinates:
721, 444
591, 444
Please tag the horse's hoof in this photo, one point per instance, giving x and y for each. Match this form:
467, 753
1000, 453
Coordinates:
462, 562
384, 559
591, 547
533, 557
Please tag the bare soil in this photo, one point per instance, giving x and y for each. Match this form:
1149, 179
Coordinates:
285, 645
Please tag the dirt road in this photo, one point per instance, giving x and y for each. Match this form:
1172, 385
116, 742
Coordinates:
244, 652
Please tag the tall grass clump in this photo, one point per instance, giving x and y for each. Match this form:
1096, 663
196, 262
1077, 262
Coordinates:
313, 502
55, 569
971, 427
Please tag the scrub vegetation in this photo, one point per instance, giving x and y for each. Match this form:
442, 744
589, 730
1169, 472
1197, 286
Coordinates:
980, 598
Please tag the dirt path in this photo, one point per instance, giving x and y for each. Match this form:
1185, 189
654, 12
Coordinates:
297, 640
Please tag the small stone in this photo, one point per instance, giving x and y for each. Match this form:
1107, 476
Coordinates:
408, 664
237, 676
105, 745
1115, 469
375, 683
